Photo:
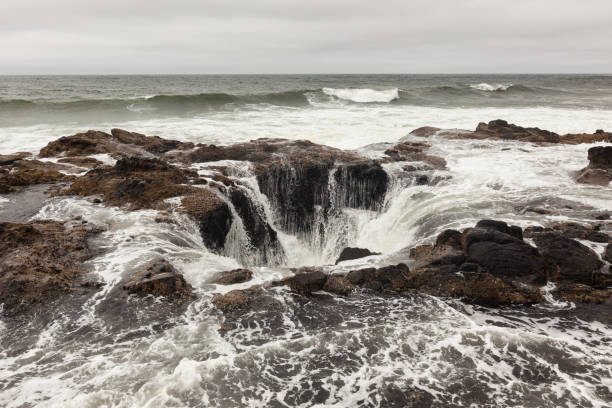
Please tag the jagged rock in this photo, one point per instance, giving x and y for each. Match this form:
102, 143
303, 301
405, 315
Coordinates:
446, 251
294, 175
120, 143
578, 292
261, 235
425, 131
476, 287
349, 253
232, 277
87, 162
570, 230
415, 151
391, 278
212, 214
571, 259
502, 254
502, 130
40, 260
134, 182
7, 159
159, 278
608, 253
18, 174
338, 284
599, 170
152, 144
305, 281
238, 302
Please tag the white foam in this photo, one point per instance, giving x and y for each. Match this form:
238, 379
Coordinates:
491, 88
363, 95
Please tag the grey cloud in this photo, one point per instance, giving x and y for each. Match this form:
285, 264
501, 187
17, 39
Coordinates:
276, 36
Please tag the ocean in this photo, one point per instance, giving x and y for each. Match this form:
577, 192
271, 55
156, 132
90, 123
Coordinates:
326, 351
338, 110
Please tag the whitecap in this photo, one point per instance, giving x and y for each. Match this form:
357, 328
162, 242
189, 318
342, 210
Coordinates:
363, 95
491, 88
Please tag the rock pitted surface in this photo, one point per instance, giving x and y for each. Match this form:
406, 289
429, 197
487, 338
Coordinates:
40, 260
159, 278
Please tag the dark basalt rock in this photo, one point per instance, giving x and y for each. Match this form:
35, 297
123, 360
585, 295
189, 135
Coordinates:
570, 259
446, 251
570, 230
212, 215
349, 253
502, 254
339, 285
501, 130
39, 261
425, 131
305, 281
415, 151
608, 253
261, 235
578, 292
232, 277
159, 278
502, 227
599, 170
239, 302
389, 278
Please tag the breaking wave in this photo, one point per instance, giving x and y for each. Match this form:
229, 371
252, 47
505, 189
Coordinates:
491, 87
363, 95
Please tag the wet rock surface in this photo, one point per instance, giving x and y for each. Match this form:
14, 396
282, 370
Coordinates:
599, 170
159, 278
40, 261
502, 130
349, 253
232, 277
488, 264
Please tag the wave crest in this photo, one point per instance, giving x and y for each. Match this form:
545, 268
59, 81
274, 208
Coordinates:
491, 88
363, 95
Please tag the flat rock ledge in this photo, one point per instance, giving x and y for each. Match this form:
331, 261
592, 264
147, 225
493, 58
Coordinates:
40, 261
502, 130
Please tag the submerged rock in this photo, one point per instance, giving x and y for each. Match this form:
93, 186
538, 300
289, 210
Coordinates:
160, 278
40, 260
232, 277
349, 253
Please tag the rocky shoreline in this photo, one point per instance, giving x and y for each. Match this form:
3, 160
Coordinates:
492, 263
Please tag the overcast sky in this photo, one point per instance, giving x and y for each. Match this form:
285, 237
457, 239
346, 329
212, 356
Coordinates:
314, 36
